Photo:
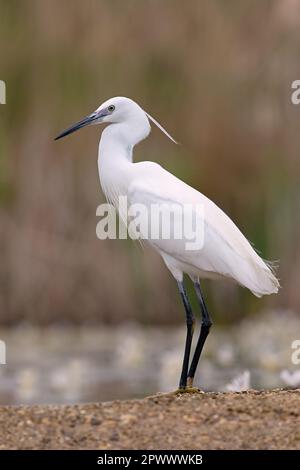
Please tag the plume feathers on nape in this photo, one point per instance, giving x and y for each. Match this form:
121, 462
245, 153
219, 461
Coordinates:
161, 128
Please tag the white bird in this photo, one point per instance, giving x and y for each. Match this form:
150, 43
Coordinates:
225, 253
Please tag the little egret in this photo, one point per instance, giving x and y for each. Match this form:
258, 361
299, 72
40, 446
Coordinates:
225, 253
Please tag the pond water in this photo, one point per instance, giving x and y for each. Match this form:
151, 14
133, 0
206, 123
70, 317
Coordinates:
81, 364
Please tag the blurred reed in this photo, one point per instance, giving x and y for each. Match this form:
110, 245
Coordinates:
217, 74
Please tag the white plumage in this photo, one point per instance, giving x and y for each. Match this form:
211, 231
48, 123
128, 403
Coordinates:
226, 253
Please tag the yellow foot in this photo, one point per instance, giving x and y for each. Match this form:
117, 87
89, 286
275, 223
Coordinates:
180, 391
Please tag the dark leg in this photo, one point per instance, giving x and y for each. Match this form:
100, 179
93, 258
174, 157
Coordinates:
189, 335
205, 327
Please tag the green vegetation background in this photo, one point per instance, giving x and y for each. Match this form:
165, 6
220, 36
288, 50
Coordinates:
216, 73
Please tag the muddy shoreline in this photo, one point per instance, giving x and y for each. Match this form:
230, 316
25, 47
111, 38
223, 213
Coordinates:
246, 420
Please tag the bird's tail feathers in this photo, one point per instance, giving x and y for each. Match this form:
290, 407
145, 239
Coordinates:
261, 278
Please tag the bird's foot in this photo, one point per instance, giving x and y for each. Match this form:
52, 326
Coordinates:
182, 390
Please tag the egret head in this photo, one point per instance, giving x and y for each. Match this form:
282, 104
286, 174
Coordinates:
119, 109
116, 110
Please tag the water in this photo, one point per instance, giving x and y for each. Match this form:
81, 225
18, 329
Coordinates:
81, 364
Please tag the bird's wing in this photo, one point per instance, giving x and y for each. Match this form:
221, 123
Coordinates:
225, 251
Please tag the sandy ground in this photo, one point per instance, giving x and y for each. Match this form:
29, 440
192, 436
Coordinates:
247, 420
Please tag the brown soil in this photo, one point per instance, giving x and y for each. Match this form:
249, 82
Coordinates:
248, 420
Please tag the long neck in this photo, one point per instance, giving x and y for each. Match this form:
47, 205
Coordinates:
115, 156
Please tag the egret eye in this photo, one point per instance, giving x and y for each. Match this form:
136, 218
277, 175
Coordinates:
111, 108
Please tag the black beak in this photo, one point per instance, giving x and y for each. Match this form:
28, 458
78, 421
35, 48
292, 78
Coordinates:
79, 125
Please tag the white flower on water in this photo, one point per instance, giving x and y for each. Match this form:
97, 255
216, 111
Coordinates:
290, 378
239, 383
